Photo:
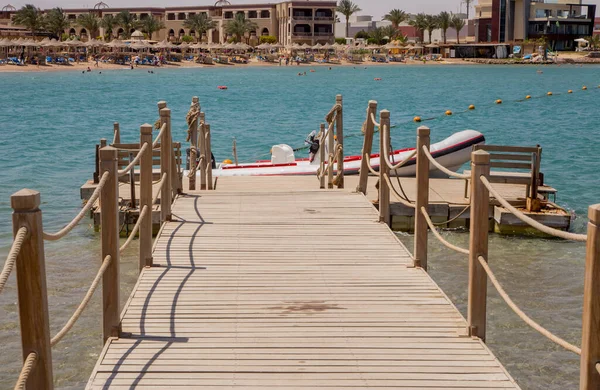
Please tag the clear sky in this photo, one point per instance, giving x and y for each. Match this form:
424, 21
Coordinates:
377, 8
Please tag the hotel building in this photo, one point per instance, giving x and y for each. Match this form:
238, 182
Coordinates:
290, 22
560, 22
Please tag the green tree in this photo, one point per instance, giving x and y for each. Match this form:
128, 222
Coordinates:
201, 23
187, 39
444, 19
431, 23
377, 36
30, 17
239, 26
108, 23
594, 41
457, 24
396, 16
347, 8
56, 22
362, 34
268, 39
419, 24
128, 22
150, 25
390, 32
340, 41
90, 22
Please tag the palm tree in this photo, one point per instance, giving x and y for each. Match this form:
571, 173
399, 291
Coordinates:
396, 16
239, 26
390, 32
91, 23
402, 38
56, 22
594, 41
457, 23
444, 19
108, 23
468, 4
29, 17
431, 23
150, 25
128, 22
419, 24
347, 8
377, 36
201, 23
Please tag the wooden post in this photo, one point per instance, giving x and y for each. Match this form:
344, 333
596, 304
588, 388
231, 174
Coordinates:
116, 133
132, 181
422, 200
109, 207
384, 190
322, 156
102, 143
234, 150
208, 148
363, 181
590, 335
97, 165
145, 259
31, 285
339, 131
193, 147
202, 143
330, 150
478, 244
166, 150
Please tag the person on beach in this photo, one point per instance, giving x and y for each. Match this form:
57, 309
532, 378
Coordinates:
96, 59
279, 61
287, 61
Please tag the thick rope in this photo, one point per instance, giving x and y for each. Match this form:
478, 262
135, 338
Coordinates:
377, 124
28, 366
524, 316
387, 161
455, 218
160, 188
530, 221
368, 161
9, 264
64, 231
339, 149
443, 168
396, 194
83, 303
439, 236
163, 128
191, 118
134, 162
332, 113
135, 228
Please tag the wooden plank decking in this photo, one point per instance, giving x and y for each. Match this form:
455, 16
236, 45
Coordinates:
293, 290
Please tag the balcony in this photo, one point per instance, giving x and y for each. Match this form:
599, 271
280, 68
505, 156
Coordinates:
325, 18
302, 17
302, 34
323, 33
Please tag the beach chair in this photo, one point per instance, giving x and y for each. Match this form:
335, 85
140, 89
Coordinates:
48, 59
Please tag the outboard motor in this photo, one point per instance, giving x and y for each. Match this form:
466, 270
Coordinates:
313, 145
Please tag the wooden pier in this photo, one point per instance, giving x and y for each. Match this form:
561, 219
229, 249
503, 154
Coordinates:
292, 288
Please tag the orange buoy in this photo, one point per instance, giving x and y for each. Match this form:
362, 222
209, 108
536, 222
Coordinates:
584, 88
570, 91
448, 112
549, 93
222, 87
417, 119
472, 107
377, 78
499, 101
528, 97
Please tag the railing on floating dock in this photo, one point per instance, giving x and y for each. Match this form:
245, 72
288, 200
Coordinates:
254, 287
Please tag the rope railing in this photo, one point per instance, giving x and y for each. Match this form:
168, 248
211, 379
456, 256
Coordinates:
90, 203
11, 259
522, 315
397, 194
391, 166
443, 168
439, 236
368, 160
332, 113
28, 366
377, 124
530, 221
160, 188
134, 162
339, 151
163, 128
135, 228
83, 303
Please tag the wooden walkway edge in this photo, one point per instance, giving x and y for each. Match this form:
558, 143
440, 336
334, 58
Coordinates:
293, 290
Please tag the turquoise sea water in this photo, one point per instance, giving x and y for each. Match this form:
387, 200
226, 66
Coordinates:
49, 123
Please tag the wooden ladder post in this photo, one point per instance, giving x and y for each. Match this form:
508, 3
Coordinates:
109, 214
166, 149
193, 146
339, 131
590, 335
363, 180
331, 150
234, 150
322, 156
145, 259
202, 143
31, 285
422, 199
116, 133
478, 244
384, 190
208, 147
102, 143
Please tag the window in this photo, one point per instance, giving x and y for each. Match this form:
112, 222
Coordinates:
181, 16
170, 16
228, 15
265, 14
72, 17
252, 14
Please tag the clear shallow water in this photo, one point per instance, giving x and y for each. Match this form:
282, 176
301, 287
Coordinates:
49, 124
